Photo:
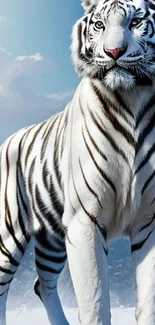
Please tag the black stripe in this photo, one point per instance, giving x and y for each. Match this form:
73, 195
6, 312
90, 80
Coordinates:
24, 204
21, 223
55, 223
146, 158
19, 195
46, 137
46, 129
88, 186
25, 136
31, 144
79, 34
105, 250
151, 5
108, 137
103, 231
8, 220
7, 282
144, 133
10, 258
91, 216
53, 259
107, 179
64, 130
85, 20
147, 182
36, 289
30, 175
153, 201
120, 7
114, 121
122, 103
90, 136
152, 26
38, 216
45, 174
41, 237
92, 8
117, 109
47, 268
56, 203
6, 271
148, 224
145, 110
43, 232
137, 246
6, 252
12, 233
55, 155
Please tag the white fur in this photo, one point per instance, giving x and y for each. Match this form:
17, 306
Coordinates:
89, 154
119, 78
88, 3
116, 33
144, 263
123, 212
90, 275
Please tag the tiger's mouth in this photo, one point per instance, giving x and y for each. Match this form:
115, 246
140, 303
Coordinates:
108, 66
117, 66
122, 64
125, 77
121, 73
114, 65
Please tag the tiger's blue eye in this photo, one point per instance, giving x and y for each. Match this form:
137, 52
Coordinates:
135, 22
99, 24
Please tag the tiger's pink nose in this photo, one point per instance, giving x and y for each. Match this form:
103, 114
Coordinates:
115, 53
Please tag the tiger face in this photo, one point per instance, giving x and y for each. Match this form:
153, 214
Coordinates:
115, 42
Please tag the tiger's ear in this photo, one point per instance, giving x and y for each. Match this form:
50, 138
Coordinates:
88, 4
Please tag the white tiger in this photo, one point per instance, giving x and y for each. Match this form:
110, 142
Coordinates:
87, 174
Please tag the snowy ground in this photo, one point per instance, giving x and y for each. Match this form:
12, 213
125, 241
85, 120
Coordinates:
24, 307
38, 316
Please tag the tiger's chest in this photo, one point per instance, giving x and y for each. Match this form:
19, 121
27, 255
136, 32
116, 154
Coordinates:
112, 159
132, 173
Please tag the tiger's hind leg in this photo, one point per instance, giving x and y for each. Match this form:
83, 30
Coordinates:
11, 252
14, 220
8, 266
50, 257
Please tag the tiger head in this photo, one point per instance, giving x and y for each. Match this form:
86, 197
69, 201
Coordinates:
115, 42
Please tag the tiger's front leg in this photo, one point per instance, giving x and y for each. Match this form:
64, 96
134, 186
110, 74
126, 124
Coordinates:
86, 250
143, 255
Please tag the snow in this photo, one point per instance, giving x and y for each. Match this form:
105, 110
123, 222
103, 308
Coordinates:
38, 316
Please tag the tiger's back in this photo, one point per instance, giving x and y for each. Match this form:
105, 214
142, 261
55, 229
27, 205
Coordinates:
22, 153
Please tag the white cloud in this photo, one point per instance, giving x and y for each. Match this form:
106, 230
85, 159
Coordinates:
2, 49
61, 96
34, 57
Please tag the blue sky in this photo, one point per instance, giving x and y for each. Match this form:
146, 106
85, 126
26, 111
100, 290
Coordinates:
37, 77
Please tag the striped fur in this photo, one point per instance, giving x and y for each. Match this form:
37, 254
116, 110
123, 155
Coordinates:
108, 25
87, 175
